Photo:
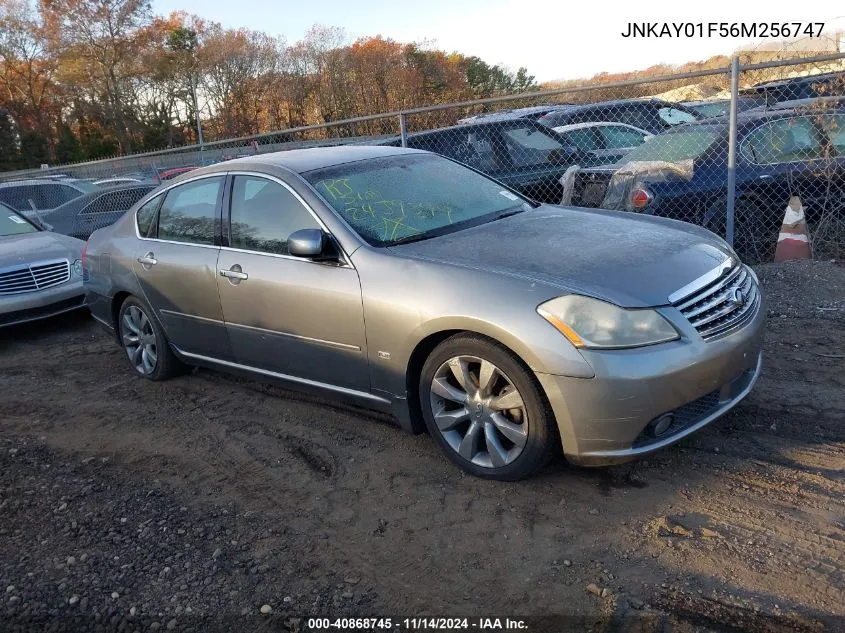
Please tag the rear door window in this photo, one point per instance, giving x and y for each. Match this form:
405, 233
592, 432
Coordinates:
189, 212
783, 141
834, 128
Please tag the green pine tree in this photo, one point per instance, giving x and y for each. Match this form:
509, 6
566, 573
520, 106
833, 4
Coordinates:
35, 150
68, 147
9, 155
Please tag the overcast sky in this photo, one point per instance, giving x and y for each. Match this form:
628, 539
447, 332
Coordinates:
552, 38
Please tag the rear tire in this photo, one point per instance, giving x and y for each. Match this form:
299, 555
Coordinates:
485, 410
144, 342
755, 236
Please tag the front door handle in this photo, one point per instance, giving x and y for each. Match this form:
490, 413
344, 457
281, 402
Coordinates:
235, 274
148, 260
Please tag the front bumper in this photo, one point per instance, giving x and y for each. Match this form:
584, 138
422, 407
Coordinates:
41, 304
604, 420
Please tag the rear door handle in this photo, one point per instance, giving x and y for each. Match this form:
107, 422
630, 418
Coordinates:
148, 260
233, 274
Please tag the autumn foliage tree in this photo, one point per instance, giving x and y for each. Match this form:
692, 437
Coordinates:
84, 79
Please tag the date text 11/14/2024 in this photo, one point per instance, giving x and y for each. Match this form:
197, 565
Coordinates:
417, 624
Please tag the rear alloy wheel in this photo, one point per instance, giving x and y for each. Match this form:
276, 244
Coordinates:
485, 409
139, 340
144, 342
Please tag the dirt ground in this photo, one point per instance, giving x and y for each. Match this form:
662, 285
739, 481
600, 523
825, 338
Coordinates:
213, 495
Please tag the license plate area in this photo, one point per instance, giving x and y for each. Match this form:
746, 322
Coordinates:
593, 193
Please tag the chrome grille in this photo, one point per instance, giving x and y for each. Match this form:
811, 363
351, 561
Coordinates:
722, 305
34, 277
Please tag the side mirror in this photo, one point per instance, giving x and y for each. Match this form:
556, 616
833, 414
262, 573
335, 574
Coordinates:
306, 243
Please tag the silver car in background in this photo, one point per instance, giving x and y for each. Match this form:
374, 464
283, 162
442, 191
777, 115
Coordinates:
406, 282
40, 271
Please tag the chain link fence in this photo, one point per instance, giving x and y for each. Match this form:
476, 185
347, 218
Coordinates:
724, 148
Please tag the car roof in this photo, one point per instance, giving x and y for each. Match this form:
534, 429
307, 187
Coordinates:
85, 198
579, 126
302, 160
798, 80
744, 119
837, 101
477, 125
519, 113
576, 107
704, 102
44, 182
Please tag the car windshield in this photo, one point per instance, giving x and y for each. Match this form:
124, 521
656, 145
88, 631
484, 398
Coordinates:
684, 144
13, 224
409, 197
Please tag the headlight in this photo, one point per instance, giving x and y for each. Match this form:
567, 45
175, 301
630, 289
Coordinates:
589, 322
76, 268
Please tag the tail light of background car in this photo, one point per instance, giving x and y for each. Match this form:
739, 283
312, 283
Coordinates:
640, 198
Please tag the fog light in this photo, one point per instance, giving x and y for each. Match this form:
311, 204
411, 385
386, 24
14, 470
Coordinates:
660, 425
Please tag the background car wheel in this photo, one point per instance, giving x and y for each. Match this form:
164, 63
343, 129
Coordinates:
485, 409
144, 342
755, 235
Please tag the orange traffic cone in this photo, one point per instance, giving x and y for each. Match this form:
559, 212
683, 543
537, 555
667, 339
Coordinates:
793, 240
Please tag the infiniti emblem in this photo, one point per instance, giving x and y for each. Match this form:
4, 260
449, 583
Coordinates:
739, 299
478, 409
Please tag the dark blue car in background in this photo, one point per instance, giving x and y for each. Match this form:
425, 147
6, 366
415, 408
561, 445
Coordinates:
83, 215
518, 152
682, 174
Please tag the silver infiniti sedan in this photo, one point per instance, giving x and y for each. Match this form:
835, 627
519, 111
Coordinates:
40, 271
409, 283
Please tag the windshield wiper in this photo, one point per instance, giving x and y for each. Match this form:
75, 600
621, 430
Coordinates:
416, 237
509, 212
450, 228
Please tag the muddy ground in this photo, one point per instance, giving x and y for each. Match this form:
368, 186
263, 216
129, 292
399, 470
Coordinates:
130, 505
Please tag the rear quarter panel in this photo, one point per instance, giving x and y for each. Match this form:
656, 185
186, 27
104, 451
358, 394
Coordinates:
109, 267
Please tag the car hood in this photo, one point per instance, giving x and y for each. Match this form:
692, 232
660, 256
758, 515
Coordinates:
631, 260
16, 250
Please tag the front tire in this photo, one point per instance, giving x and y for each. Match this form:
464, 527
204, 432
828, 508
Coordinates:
145, 343
485, 409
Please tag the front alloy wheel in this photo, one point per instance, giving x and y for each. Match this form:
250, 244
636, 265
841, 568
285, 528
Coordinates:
484, 407
479, 411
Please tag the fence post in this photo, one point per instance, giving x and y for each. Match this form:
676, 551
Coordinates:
731, 203
403, 129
